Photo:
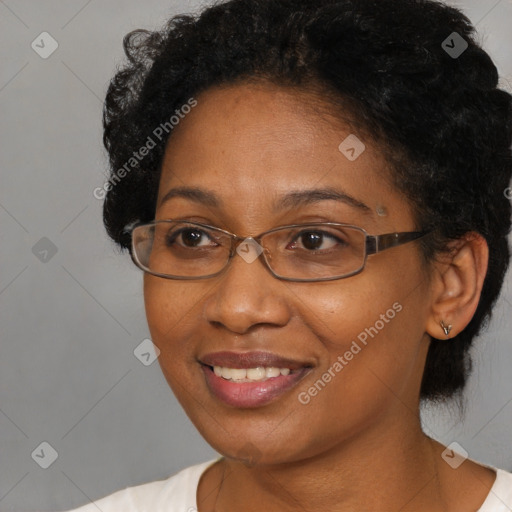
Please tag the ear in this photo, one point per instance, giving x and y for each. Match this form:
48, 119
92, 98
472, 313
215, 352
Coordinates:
457, 283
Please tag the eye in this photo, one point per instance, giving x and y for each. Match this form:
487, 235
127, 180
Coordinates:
315, 240
189, 237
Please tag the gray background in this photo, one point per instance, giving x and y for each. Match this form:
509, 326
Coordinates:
70, 321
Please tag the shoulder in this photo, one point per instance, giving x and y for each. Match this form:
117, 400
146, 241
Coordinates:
177, 493
499, 498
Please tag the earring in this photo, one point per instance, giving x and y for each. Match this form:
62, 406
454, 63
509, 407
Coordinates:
446, 328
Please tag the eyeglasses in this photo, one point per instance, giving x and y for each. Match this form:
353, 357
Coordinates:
320, 251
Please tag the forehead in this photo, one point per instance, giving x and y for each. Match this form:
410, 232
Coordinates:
252, 143
269, 114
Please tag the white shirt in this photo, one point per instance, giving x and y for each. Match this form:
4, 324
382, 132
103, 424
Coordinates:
178, 494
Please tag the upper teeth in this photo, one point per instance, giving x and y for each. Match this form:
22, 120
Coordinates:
242, 374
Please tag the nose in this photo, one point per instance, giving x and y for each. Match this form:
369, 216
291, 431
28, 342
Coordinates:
247, 294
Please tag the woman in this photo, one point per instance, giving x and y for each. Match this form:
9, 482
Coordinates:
316, 191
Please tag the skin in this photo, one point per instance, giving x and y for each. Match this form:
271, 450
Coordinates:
358, 444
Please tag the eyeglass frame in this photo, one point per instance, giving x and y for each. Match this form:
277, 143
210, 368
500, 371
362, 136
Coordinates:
373, 244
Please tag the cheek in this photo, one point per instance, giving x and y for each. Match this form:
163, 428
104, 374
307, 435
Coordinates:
373, 326
171, 312
349, 307
160, 310
168, 304
340, 313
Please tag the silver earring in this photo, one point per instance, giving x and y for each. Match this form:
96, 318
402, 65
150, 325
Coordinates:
446, 328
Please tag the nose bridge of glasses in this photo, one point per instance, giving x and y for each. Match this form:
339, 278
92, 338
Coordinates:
238, 240
248, 248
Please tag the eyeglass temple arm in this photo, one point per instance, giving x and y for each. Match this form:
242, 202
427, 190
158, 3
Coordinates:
375, 244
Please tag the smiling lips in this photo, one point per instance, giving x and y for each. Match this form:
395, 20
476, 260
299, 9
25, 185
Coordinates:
250, 380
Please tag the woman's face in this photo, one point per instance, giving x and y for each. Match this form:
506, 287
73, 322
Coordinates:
356, 347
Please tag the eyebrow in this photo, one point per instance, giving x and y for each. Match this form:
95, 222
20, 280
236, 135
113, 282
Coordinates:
290, 200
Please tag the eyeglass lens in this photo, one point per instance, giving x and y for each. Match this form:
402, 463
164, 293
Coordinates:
305, 252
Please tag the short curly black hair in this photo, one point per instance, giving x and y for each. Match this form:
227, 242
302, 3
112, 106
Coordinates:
442, 117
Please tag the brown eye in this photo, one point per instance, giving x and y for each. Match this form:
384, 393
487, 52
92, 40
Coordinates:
315, 240
188, 237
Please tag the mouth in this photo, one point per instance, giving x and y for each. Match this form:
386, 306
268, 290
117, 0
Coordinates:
250, 380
